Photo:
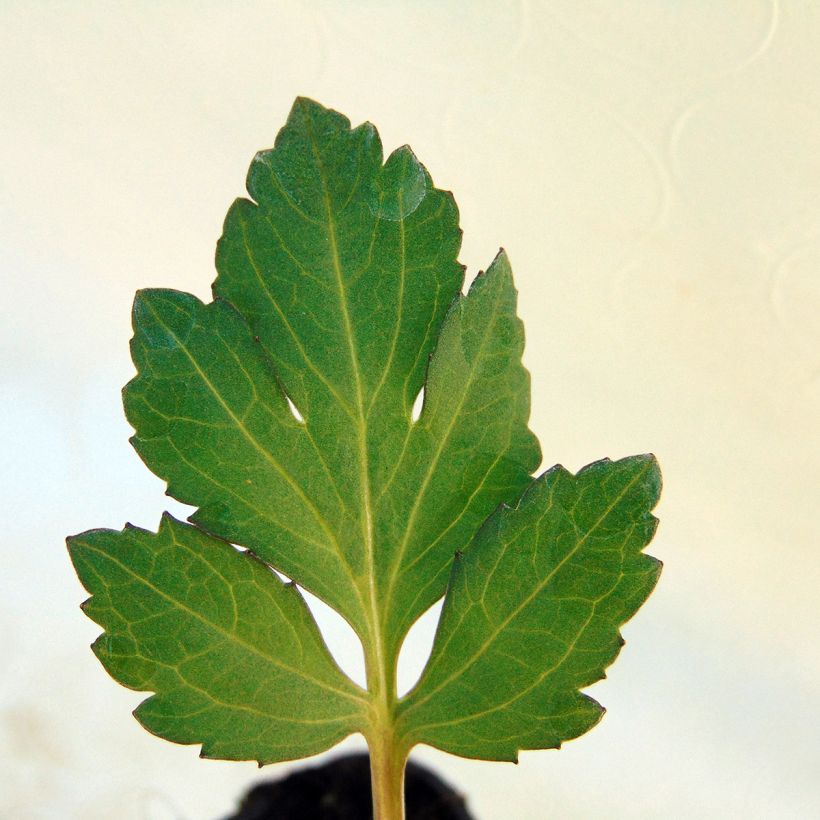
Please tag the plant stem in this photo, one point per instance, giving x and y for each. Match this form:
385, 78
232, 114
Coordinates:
388, 754
387, 775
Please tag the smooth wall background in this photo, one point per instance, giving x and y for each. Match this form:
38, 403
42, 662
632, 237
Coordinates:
653, 170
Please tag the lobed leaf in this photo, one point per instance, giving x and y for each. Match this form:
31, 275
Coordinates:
333, 289
232, 653
282, 411
532, 613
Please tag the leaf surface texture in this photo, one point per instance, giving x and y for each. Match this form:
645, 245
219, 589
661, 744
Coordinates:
335, 287
232, 653
283, 412
533, 611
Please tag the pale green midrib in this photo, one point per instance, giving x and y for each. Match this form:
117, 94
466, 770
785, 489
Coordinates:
541, 677
229, 636
338, 553
388, 483
442, 534
478, 488
325, 466
187, 682
399, 310
342, 403
399, 557
502, 625
376, 638
297, 341
258, 511
228, 584
421, 351
252, 440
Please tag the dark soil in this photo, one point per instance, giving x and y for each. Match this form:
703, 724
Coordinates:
340, 790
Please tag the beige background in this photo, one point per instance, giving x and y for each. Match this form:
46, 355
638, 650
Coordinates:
653, 169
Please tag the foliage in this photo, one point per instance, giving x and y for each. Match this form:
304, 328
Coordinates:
283, 411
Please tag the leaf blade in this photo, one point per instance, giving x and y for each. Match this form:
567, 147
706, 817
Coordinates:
355, 360
345, 272
181, 613
463, 456
283, 412
562, 573
212, 420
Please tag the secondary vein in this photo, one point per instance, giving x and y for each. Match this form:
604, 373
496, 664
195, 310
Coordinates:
528, 599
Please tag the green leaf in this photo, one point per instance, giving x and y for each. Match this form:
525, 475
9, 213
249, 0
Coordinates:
332, 290
532, 613
283, 412
232, 653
